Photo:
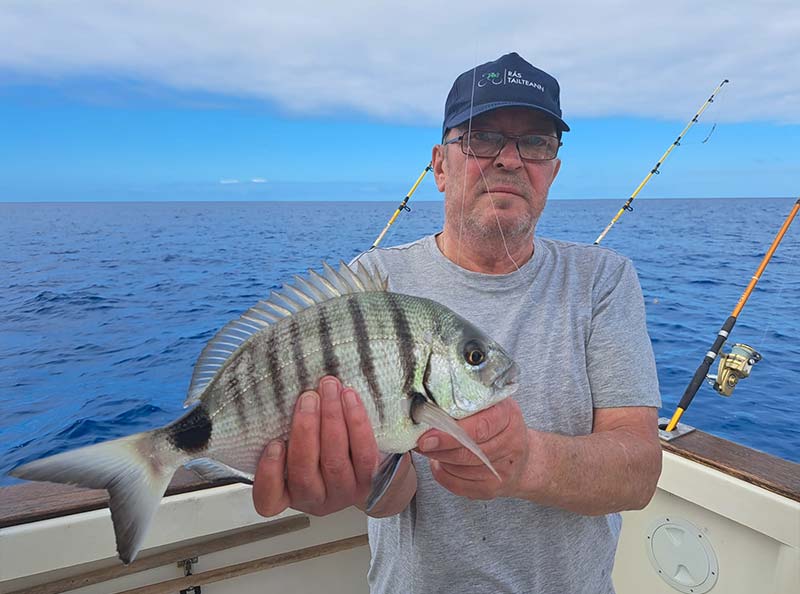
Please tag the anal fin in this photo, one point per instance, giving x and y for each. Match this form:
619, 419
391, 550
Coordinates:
212, 470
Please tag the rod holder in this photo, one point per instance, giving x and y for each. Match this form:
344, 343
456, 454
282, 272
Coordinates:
680, 429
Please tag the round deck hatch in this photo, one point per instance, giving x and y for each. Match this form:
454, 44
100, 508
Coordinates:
682, 555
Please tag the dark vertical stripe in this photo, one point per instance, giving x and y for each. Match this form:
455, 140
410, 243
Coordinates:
365, 354
331, 361
253, 385
405, 343
296, 340
232, 387
276, 381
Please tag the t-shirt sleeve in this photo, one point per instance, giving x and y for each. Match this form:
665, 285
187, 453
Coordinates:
620, 362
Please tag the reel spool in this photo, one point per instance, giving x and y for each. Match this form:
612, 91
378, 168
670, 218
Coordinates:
733, 366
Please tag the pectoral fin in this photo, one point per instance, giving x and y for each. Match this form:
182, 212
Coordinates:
425, 411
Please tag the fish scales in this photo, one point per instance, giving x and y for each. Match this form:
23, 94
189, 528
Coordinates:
415, 364
262, 376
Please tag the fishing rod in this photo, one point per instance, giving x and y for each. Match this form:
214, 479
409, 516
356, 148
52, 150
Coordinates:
654, 171
735, 365
403, 205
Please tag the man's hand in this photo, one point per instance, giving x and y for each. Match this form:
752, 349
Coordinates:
614, 468
501, 433
331, 456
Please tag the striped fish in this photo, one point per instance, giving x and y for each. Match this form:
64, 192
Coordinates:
415, 363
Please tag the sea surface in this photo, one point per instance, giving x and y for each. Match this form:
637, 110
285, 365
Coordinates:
104, 307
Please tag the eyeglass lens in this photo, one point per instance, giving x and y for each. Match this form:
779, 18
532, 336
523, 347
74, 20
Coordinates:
535, 147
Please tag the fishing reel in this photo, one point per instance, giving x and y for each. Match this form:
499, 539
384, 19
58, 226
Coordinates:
733, 366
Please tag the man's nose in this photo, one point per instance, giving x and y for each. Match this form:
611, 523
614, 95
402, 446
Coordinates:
509, 156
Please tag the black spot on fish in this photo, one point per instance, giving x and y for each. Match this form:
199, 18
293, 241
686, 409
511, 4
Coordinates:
191, 432
364, 354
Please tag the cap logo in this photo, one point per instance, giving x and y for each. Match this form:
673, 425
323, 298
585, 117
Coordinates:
491, 77
510, 77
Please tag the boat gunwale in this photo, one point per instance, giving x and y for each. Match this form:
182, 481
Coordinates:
32, 502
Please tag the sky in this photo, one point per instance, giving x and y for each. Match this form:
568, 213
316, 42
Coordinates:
253, 100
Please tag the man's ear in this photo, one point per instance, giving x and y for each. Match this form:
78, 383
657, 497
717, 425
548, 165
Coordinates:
437, 159
556, 170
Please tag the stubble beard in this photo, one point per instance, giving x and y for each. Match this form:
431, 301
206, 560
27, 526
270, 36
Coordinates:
490, 227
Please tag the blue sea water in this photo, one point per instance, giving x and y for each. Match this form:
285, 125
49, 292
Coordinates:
104, 307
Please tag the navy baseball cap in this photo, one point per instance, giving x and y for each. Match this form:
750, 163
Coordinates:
509, 81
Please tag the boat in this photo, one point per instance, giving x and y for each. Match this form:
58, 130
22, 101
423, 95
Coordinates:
725, 519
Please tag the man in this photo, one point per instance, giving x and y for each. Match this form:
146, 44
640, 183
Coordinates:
577, 443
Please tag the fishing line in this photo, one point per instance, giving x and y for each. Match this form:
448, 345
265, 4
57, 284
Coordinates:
720, 102
720, 109
403, 206
713, 127
483, 177
469, 151
497, 218
793, 251
655, 170
725, 386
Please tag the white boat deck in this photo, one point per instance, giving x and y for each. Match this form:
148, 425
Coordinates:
753, 535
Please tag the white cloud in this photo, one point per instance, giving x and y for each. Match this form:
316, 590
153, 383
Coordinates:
258, 180
396, 61
226, 182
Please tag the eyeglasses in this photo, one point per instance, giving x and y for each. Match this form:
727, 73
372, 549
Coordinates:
531, 147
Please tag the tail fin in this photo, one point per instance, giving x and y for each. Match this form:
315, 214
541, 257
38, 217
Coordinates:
134, 470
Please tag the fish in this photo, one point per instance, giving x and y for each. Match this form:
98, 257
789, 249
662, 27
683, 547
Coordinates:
415, 363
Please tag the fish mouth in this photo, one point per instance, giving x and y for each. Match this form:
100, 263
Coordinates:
506, 382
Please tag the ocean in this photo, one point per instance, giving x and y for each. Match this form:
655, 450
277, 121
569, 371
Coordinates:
104, 307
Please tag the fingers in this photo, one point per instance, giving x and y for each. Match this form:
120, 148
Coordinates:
495, 449
330, 457
270, 495
476, 486
305, 483
332, 451
482, 427
363, 447
334, 461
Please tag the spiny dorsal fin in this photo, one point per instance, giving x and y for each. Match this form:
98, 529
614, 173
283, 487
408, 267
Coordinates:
304, 293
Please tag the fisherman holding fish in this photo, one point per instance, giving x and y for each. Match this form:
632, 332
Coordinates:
574, 445
517, 368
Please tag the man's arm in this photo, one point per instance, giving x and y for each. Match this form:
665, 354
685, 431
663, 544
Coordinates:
614, 468
328, 462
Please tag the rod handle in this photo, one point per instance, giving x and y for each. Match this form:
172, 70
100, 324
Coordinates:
702, 371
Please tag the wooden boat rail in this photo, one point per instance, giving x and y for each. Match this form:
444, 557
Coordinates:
752, 466
26, 503
31, 502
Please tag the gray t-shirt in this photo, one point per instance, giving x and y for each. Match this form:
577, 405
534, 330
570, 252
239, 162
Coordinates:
573, 319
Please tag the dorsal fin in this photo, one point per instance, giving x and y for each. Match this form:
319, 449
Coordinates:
304, 293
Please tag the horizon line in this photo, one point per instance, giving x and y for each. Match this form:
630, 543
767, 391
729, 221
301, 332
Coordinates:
376, 200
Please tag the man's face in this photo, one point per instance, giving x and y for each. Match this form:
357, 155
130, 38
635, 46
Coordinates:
484, 196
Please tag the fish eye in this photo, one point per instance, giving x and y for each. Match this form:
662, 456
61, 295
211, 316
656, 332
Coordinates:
474, 354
